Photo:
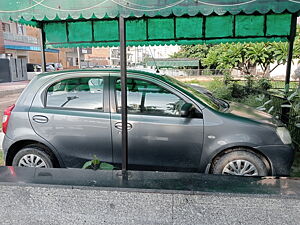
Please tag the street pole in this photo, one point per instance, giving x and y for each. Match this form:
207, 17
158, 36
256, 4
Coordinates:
123, 62
290, 53
42, 44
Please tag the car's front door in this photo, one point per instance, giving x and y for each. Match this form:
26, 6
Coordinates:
159, 138
75, 118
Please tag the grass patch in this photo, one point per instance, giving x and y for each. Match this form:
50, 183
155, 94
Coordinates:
1, 158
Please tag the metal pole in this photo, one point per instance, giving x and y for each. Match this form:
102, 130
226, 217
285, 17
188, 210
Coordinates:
290, 53
123, 62
42, 44
79, 59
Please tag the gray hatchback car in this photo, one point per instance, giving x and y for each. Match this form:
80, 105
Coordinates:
63, 119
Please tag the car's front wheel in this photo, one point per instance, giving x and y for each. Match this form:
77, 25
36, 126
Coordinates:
240, 163
32, 156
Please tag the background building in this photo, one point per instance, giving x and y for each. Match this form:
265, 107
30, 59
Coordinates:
20, 41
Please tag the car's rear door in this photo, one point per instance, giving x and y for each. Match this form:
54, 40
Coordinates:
158, 137
71, 112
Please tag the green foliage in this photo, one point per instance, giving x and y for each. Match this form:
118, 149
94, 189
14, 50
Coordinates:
294, 105
249, 81
193, 51
224, 93
96, 164
240, 56
238, 91
263, 84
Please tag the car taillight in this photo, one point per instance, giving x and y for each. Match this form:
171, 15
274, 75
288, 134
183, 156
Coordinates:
6, 117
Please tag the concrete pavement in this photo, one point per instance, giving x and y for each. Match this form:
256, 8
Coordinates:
54, 205
76, 196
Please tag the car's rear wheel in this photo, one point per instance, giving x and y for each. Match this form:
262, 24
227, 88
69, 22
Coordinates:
33, 156
240, 163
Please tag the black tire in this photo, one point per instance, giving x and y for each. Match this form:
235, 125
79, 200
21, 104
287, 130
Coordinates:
34, 150
218, 166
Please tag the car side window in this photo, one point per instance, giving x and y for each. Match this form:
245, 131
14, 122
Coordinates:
76, 93
147, 98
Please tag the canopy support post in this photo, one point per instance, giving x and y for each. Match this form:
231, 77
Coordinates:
123, 63
43, 48
290, 53
79, 59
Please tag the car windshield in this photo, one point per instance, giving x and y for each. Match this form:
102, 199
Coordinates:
204, 96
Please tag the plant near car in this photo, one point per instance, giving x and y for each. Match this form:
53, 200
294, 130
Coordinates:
293, 103
96, 164
263, 84
266, 105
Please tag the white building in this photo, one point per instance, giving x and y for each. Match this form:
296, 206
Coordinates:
137, 55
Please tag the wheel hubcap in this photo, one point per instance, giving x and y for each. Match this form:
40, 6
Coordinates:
240, 168
32, 160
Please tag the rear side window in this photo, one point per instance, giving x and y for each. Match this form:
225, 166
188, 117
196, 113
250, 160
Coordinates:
76, 93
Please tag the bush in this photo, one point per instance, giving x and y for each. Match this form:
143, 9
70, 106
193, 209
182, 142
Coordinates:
219, 89
249, 81
223, 92
215, 84
263, 84
238, 91
253, 101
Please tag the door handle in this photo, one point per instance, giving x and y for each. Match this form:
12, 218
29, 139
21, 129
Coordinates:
40, 119
118, 126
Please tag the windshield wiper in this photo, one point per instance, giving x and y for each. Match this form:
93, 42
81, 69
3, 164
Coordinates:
218, 101
68, 100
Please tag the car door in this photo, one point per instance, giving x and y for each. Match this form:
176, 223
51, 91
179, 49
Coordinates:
72, 115
158, 137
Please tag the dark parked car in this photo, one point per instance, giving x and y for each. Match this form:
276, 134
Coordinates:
63, 119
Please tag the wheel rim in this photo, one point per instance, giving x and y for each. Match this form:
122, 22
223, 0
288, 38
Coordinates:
32, 160
240, 168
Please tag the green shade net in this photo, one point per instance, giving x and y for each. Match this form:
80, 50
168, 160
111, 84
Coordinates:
90, 23
63, 9
169, 30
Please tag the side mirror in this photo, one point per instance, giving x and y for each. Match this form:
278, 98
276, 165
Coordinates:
186, 109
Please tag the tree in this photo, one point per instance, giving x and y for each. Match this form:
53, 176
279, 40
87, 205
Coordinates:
193, 51
241, 56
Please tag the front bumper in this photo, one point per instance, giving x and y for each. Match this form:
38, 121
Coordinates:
281, 158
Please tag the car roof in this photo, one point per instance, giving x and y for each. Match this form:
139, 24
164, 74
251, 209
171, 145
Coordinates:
98, 70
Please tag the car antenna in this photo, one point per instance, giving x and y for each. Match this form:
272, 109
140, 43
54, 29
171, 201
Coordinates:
156, 67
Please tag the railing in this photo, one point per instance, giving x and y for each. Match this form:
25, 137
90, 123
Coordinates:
20, 38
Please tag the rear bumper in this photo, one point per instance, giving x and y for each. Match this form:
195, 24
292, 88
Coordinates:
7, 142
281, 158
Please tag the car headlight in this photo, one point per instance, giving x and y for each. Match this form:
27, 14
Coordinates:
284, 135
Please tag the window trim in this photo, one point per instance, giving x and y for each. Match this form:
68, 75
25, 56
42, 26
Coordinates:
149, 81
74, 109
